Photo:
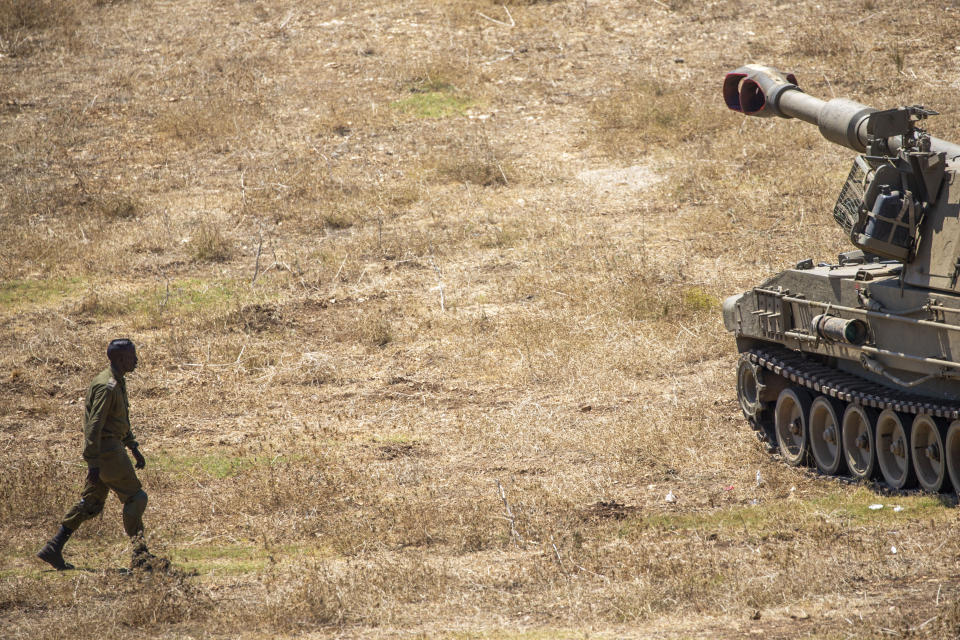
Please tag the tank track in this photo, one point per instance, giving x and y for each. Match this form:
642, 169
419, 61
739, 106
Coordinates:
797, 368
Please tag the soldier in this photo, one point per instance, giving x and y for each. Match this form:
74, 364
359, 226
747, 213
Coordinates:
106, 431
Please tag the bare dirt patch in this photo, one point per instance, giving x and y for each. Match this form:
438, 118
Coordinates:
626, 180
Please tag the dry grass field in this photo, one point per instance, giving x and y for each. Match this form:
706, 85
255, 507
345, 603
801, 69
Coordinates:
427, 300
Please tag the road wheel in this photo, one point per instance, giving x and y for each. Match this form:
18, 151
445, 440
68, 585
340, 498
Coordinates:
893, 450
825, 442
749, 388
859, 448
952, 453
790, 425
929, 455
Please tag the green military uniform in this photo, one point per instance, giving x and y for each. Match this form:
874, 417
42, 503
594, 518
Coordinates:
106, 433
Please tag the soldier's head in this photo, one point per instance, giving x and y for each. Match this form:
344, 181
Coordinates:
122, 355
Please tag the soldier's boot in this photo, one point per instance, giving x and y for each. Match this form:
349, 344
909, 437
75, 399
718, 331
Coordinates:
52, 552
141, 556
144, 560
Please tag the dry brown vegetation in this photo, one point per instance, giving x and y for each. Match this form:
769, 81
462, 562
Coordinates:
427, 296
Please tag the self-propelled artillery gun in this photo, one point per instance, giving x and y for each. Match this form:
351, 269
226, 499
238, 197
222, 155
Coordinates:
856, 365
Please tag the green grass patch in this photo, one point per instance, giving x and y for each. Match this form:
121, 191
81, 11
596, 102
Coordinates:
647, 297
191, 295
500, 237
697, 300
433, 104
190, 298
856, 507
228, 559
849, 509
16, 294
45, 572
213, 465
217, 464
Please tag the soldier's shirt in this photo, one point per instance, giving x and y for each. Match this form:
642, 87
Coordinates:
107, 416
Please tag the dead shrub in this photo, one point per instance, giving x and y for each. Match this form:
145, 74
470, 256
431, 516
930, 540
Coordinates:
33, 14
486, 172
438, 73
118, 206
209, 244
314, 369
36, 487
311, 599
649, 113
343, 217
525, 12
375, 329
309, 194
161, 599
25, 25
364, 590
826, 40
43, 198
256, 318
211, 122
100, 305
471, 158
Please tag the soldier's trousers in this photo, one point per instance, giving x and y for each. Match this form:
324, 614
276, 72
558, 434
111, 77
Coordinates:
117, 475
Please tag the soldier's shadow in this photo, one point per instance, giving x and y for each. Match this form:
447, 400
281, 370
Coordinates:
161, 567
110, 570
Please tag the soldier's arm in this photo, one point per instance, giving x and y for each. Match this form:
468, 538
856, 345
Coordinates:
129, 441
99, 409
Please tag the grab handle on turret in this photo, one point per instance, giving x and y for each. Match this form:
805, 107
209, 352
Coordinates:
755, 90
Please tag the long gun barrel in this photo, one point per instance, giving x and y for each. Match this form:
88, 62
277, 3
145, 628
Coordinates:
755, 90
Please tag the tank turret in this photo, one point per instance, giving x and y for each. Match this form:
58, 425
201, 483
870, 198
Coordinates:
855, 366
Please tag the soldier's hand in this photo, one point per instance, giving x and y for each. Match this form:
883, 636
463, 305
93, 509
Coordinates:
141, 461
93, 475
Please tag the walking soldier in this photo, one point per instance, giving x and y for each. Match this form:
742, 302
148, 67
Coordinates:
106, 432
